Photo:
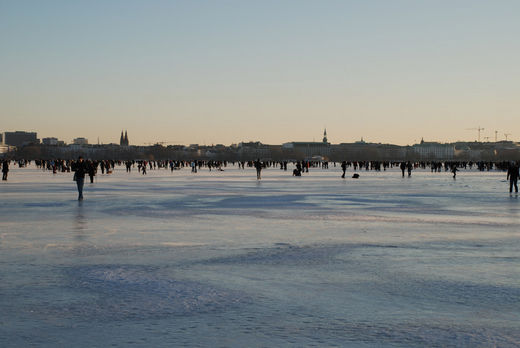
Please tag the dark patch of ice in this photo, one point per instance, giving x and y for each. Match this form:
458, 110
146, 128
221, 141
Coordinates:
124, 292
46, 204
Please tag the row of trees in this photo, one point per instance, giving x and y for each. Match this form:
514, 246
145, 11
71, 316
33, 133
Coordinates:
275, 153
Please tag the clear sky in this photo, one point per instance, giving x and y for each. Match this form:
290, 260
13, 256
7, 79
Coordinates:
213, 72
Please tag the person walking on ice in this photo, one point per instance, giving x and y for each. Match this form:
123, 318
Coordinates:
512, 176
402, 166
343, 168
454, 171
258, 166
5, 169
80, 169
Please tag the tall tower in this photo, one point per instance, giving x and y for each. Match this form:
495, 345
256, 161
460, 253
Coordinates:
121, 140
126, 139
325, 136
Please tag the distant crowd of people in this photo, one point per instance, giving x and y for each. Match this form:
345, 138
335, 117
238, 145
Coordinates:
81, 167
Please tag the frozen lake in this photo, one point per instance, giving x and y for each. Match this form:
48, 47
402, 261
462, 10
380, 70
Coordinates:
219, 259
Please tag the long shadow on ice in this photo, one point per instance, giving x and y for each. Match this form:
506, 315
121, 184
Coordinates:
210, 204
348, 259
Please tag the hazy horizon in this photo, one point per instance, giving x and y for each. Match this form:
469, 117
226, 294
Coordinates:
224, 72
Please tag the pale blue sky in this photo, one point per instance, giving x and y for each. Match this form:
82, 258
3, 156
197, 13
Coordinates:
273, 71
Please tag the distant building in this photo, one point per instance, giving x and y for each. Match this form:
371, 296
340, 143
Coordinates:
253, 150
362, 151
124, 139
50, 141
434, 151
20, 138
80, 141
308, 149
3, 148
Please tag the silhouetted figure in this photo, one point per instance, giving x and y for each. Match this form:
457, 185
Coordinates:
297, 172
298, 168
512, 175
403, 167
409, 167
5, 170
91, 171
454, 171
80, 169
258, 167
343, 168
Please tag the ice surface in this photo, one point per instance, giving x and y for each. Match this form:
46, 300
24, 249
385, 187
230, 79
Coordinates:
221, 259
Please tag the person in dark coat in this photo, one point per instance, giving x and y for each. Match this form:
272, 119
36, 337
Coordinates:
92, 169
5, 169
80, 168
343, 168
454, 171
409, 166
403, 167
258, 166
298, 170
512, 176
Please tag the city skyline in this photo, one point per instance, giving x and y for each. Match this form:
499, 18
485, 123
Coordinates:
226, 72
124, 140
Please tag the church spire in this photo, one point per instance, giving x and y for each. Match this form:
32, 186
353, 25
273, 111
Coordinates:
325, 136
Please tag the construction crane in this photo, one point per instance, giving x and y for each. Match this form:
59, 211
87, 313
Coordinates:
506, 135
477, 129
